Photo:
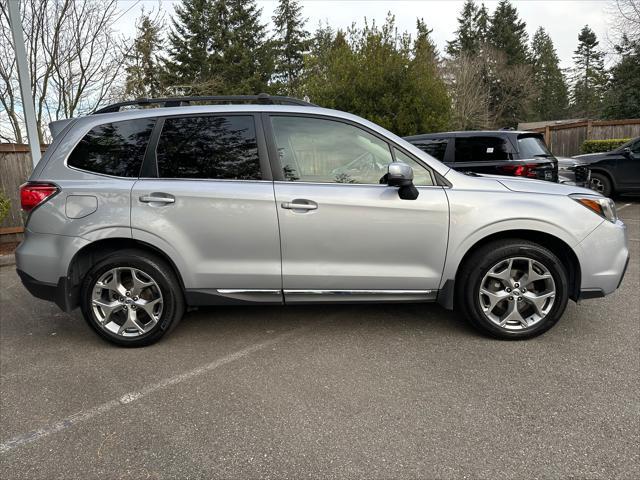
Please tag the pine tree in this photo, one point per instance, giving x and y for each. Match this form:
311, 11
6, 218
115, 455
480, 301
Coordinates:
218, 47
551, 88
589, 75
189, 68
622, 99
291, 43
143, 63
248, 56
473, 25
508, 33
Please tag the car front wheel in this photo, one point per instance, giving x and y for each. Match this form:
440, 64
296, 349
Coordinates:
601, 184
514, 289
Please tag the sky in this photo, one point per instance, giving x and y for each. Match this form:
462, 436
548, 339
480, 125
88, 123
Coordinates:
562, 19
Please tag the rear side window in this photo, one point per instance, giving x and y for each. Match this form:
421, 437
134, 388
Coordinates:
209, 147
436, 147
481, 149
113, 148
531, 146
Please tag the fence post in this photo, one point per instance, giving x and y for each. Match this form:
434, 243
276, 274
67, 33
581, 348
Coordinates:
589, 129
547, 137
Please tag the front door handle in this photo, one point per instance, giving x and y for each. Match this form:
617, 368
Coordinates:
300, 204
157, 198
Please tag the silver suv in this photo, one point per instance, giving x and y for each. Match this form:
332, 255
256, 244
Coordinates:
134, 214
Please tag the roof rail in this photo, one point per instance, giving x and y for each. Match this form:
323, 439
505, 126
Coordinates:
263, 99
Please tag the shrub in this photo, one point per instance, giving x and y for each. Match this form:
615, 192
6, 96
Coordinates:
5, 205
596, 146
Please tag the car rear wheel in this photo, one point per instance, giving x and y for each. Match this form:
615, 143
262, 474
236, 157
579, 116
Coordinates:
132, 298
515, 289
601, 184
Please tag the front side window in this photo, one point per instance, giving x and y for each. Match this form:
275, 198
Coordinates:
436, 147
115, 148
481, 149
209, 147
421, 176
328, 151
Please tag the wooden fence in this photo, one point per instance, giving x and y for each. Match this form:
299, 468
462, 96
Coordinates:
566, 139
15, 168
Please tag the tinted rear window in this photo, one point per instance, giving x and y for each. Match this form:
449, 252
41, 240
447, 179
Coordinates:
530, 147
113, 148
436, 147
481, 149
211, 147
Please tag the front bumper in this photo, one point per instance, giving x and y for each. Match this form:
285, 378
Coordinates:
604, 258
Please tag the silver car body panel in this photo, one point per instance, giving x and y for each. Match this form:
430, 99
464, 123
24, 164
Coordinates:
362, 243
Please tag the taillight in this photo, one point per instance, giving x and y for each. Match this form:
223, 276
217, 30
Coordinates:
33, 194
526, 170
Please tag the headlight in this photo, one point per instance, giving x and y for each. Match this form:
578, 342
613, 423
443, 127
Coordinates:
605, 207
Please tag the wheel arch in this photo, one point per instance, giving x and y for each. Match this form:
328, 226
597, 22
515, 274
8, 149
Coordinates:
606, 173
558, 246
95, 251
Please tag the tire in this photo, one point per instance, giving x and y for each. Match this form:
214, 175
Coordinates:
495, 309
131, 298
601, 184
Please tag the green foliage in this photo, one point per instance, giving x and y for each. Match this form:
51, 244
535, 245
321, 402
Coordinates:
381, 75
622, 99
5, 205
218, 47
589, 75
552, 96
291, 43
508, 34
473, 26
144, 62
596, 146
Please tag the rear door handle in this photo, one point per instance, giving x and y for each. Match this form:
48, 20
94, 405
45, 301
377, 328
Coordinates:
157, 198
300, 204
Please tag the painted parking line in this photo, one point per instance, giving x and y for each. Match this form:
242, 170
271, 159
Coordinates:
131, 397
623, 207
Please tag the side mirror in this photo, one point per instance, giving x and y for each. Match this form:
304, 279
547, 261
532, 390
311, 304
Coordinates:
627, 152
401, 175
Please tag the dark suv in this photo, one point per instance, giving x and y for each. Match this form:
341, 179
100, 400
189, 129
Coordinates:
501, 152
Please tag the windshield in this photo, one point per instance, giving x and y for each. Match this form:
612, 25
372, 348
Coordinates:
530, 147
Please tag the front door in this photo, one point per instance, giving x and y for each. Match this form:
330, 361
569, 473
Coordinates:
209, 206
344, 235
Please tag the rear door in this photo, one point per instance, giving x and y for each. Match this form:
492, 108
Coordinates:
345, 235
207, 200
482, 154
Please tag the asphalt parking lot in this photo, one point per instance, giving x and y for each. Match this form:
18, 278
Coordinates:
391, 391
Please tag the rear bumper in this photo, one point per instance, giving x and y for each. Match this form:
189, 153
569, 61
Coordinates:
59, 293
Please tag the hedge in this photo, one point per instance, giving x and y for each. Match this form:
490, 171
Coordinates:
596, 146
5, 204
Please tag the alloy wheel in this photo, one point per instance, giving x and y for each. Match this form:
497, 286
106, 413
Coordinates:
517, 293
126, 302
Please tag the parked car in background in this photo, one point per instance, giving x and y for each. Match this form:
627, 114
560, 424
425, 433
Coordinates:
572, 171
136, 214
495, 152
617, 171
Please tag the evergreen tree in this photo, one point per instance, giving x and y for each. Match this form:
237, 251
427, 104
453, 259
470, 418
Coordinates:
507, 33
552, 100
589, 75
218, 47
380, 74
291, 43
143, 63
191, 42
473, 24
622, 99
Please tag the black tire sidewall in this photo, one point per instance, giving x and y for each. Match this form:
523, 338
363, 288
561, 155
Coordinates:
172, 307
490, 257
606, 183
